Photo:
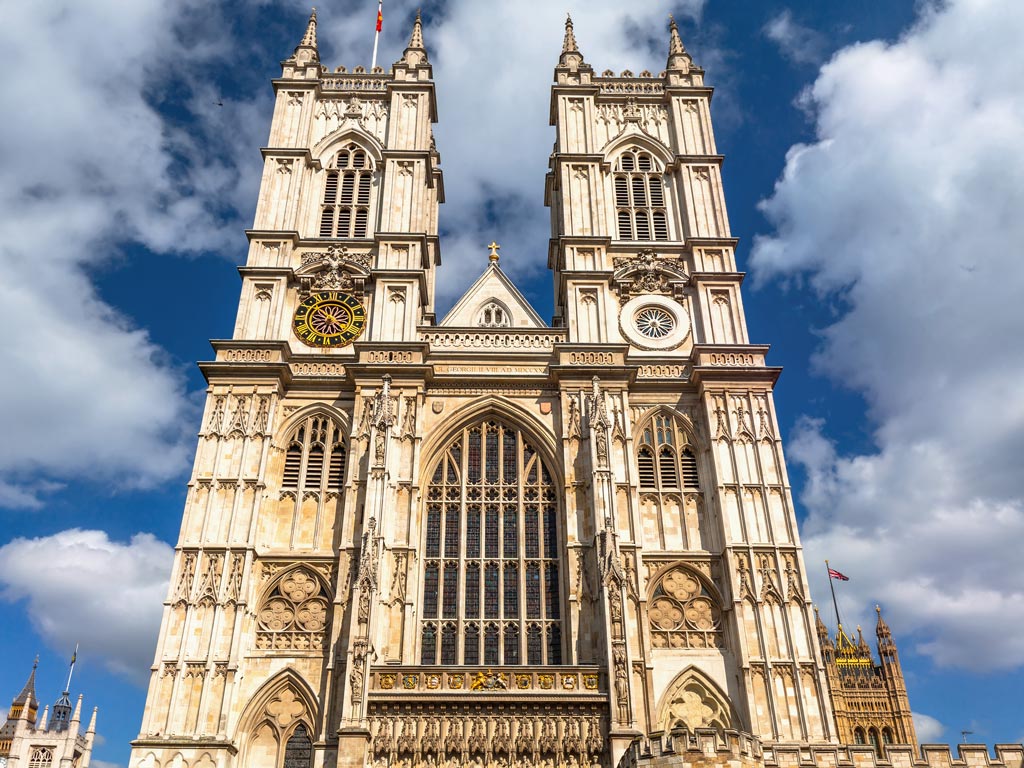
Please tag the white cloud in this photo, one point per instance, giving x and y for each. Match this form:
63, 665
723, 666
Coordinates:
929, 730
905, 213
81, 587
86, 393
799, 44
493, 65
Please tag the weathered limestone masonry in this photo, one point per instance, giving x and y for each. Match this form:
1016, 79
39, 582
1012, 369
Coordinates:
485, 541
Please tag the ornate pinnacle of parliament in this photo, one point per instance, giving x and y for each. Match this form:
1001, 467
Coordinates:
571, 56
307, 50
415, 54
678, 58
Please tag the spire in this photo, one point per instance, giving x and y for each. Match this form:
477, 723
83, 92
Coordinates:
309, 39
881, 628
571, 56
569, 43
307, 52
28, 691
92, 721
77, 716
416, 38
415, 53
43, 720
678, 58
862, 644
675, 44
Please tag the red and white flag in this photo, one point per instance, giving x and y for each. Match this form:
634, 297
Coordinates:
834, 574
380, 14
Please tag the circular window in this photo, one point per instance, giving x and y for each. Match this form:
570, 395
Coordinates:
654, 322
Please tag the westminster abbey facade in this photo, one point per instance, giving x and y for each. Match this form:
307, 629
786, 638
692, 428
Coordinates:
483, 540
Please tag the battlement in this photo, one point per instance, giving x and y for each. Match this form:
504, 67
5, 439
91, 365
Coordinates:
708, 747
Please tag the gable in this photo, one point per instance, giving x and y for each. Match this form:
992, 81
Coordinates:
493, 301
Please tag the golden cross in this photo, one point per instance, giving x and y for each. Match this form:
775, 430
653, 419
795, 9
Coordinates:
494, 251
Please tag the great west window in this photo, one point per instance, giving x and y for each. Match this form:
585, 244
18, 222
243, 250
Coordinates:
491, 580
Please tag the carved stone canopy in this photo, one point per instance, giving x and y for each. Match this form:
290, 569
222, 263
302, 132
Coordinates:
648, 273
335, 269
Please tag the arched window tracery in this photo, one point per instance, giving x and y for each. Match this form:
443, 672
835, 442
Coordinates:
293, 616
494, 315
640, 208
316, 456
491, 580
683, 613
41, 757
665, 459
345, 212
672, 508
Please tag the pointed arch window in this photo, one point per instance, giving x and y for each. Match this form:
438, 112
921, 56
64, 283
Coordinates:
345, 212
665, 459
491, 580
316, 456
640, 208
41, 757
494, 315
298, 751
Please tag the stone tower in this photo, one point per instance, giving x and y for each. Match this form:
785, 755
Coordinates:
50, 741
869, 699
483, 540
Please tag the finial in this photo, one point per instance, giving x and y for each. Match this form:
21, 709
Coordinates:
44, 720
493, 255
92, 721
569, 42
77, 716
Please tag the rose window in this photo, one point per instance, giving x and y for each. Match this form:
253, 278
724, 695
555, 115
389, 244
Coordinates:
683, 614
294, 615
654, 322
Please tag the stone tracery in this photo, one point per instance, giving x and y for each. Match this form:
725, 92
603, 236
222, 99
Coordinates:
294, 615
683, 613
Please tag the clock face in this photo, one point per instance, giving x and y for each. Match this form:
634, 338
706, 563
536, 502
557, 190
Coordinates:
329, 319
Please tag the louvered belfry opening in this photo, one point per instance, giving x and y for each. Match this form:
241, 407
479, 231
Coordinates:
316, 445
491, 579
665, 459
345, 212
640, 197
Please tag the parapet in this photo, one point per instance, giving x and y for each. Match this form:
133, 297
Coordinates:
707, 747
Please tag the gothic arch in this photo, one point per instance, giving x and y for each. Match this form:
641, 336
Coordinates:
689, 427
332, 143
293, 612
284, 433
624, 141
693, 700
281, 704
504, 410
492, 576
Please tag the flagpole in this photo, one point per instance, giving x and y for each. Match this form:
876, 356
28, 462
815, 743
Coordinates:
376, 36
828, 572
74, 658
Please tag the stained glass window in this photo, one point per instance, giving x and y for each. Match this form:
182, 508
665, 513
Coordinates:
501, 564
298, 752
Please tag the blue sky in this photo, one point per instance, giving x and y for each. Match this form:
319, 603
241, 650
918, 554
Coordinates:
873, 173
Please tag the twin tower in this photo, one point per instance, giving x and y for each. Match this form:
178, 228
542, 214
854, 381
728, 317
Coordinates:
486, 541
